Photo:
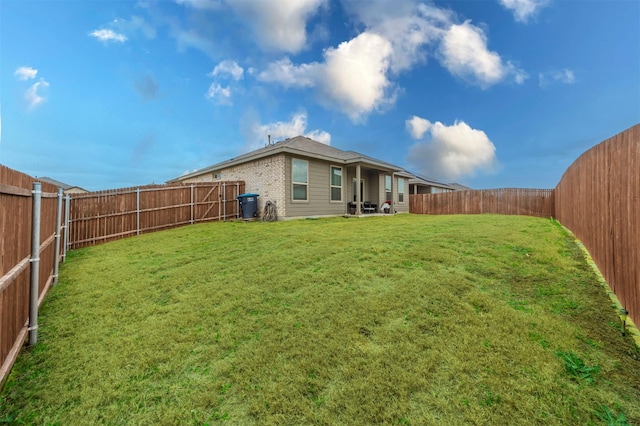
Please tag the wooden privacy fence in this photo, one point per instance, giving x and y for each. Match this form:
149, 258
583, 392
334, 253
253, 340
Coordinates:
30, 249
598, 199
104, 216
512, 201
38, 224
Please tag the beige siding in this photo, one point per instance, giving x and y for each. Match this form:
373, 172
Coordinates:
319, 193
404, 206
264, 177
373, 185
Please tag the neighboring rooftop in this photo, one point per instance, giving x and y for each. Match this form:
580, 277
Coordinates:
65, 187
459, 187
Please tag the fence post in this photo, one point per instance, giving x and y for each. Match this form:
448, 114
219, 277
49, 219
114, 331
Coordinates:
223, 201
236, 204
67, 222
35, 264
138, 211
192, 204
56, 262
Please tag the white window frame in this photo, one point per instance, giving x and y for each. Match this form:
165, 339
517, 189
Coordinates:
332, 186
401, 193
294, 183
390, 192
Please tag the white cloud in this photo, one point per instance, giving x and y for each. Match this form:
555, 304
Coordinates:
319, 136
524, 9
218, 94
228, 67
192, 38
288, 74
353, 76
417, 126
465, 54
25, 73
33, 95
136, 23
409, 27
278, 25
565, 76
452, 151
257, 134
357, 76
107, 35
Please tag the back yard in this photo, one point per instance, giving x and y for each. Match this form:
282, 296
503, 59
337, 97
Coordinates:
393, 320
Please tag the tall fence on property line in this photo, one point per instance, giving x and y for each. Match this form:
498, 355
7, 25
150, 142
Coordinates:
30, 247
512, 201
38, 224
598, 199
99, 217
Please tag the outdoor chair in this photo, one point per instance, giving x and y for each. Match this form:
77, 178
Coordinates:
369, 207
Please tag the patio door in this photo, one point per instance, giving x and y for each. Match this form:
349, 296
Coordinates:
361, 190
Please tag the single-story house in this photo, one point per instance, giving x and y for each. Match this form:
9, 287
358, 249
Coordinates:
423, 185
67, 189
306, 178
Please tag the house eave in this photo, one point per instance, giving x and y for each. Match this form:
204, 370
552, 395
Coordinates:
369, 162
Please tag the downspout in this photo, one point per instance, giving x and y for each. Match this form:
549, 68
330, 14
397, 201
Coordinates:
358, 194
393, 193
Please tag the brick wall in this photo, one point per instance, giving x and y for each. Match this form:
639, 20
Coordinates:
265, 177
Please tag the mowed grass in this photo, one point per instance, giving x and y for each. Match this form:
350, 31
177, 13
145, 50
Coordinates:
386, 320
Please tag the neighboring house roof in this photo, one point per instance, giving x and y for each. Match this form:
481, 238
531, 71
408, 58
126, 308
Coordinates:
299, 145
65, 187
422, 180
459, 187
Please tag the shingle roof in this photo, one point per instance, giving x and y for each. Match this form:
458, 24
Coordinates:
417, 179
57, 183
299, 145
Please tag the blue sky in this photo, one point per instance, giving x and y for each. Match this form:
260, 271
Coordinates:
493, 93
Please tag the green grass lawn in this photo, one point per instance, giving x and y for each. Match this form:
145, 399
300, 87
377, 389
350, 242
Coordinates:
389, 320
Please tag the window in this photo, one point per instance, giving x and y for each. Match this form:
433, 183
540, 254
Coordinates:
336, 183
300, 179
387, 188
400, 190
217, 176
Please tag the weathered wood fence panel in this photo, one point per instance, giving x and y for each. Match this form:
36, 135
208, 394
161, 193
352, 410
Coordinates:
510, 201
99, 217
16, 208
91, 219
598, 199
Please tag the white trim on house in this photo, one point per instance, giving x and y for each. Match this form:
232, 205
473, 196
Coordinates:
299, 183
402, 190
332, 186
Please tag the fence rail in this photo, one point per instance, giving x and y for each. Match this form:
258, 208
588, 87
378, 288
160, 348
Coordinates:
511, 201
28, 259
598, 199
109, 215
32, 241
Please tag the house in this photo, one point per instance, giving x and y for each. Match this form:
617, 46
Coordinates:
67, 189
459, 187
423, 185
306, 178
